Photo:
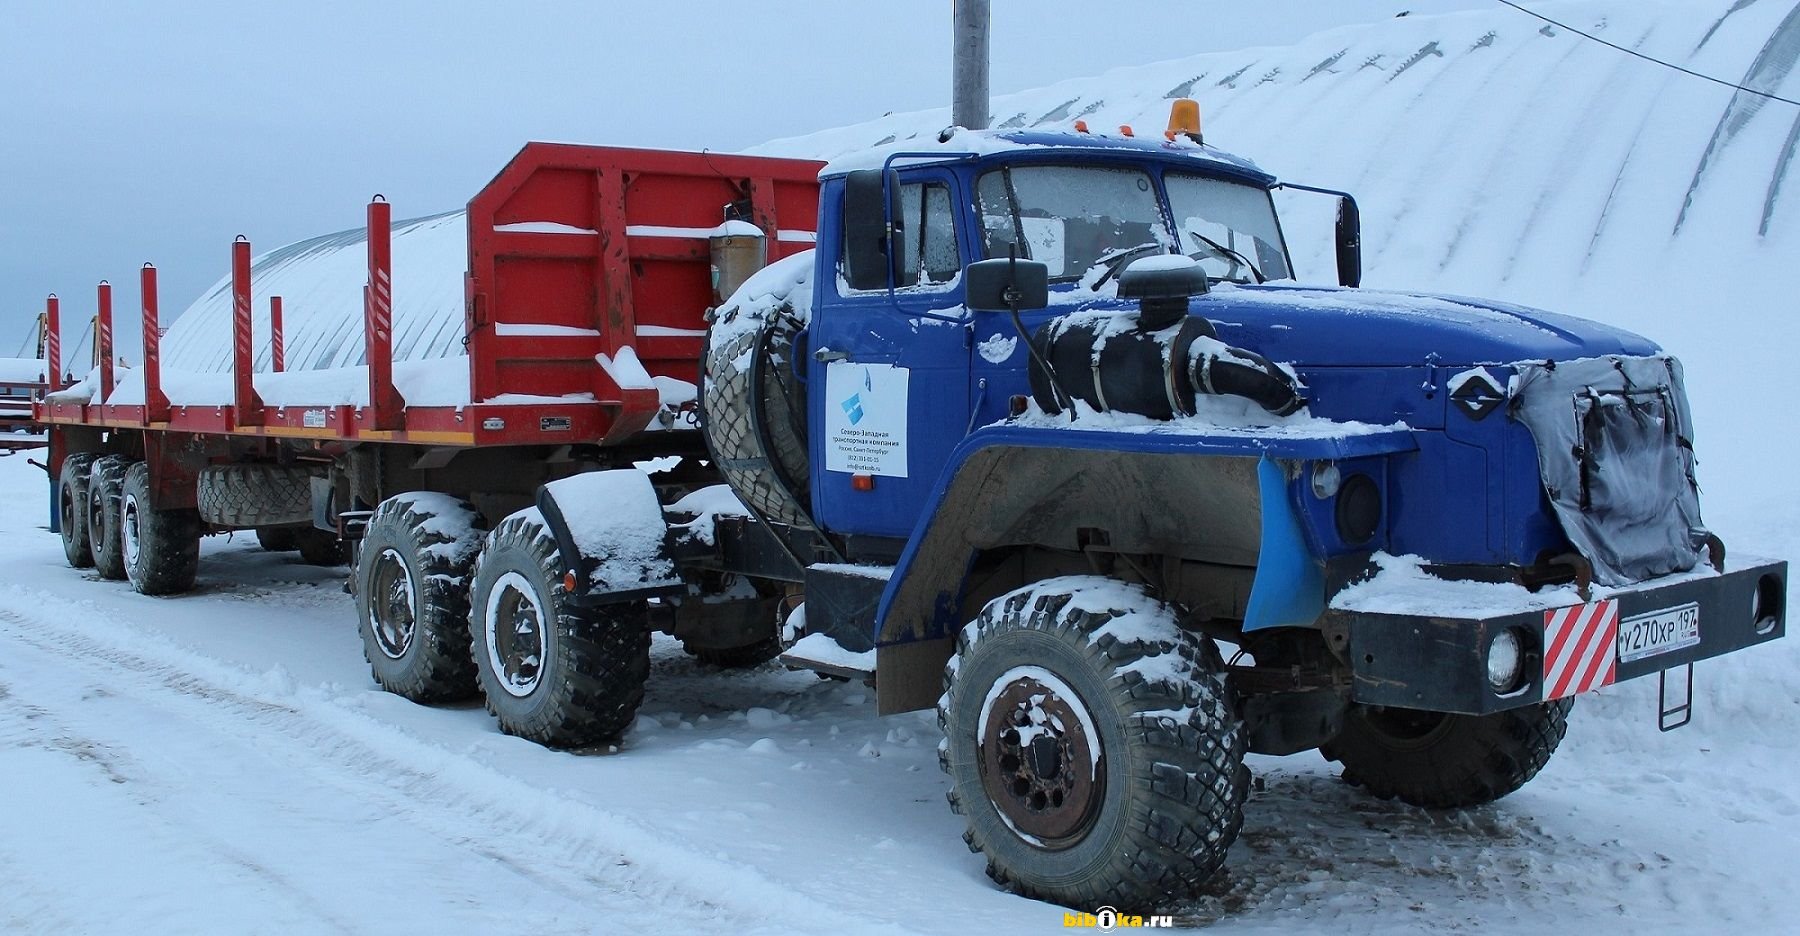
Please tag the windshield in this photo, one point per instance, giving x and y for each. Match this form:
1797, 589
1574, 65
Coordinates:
1068, 217
1228, 227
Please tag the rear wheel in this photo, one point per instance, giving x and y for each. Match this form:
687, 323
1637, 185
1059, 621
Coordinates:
412, 596
72, 511
554, 671
160, 548
321, 547
278, 539
106, 485
1443, 761
1092, 745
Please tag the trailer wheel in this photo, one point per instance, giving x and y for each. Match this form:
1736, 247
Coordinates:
1092, 745
240, 496
553, 671
1443, 761
278, 539
106, 483
321, 547
412, 596
72, 510
160, 548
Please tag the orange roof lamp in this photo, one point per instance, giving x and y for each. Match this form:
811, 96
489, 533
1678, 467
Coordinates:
1184, 120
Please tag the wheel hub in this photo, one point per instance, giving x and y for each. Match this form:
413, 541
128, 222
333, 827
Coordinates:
1040, 761
128, 531
516, 641
391, 605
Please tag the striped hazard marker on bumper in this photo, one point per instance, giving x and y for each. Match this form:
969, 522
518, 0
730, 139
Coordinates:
1581, 648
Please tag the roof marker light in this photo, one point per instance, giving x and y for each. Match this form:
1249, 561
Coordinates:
1125, 130
1081, 126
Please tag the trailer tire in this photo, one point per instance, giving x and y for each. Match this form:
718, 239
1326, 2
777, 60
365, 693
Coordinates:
412, 597
160, 548
72, 510
1140, 791
1443, 761
554, 671
243, 496
106, 483
754, 413
278, 539
321, 547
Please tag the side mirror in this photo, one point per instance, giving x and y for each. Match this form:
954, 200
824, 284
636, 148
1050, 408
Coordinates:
1349, 242
872, 226
1000, 285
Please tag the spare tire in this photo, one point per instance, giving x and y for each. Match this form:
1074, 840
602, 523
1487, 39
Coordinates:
242, 496
752, 407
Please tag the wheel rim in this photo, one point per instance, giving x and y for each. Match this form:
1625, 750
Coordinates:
393, 605
1042, 761
1405, 729
96, 511
67, 511
517, 639
128, 531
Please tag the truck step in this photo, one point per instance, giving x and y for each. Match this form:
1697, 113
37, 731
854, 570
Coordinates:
821, 654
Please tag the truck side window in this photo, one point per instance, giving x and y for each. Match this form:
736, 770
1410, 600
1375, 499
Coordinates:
928, 235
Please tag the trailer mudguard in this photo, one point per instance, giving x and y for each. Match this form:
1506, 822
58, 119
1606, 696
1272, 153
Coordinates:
610, 531
1219, 497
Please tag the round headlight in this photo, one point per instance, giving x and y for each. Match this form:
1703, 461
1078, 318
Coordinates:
1504, 660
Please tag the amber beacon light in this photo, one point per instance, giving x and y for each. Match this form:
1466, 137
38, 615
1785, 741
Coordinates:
1184, 120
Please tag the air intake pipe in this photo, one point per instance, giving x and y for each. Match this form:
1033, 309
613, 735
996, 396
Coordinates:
1154, 362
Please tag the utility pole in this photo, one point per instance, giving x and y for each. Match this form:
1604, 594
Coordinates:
969, 107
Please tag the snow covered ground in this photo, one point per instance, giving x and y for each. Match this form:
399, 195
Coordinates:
221, 763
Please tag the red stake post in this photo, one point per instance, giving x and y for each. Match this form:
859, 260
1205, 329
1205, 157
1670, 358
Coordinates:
156, 403
378, 319
53, 342
277, 351
243, 394
103, 343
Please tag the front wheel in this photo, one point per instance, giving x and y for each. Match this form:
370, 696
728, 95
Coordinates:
1092, 745
554, 671
1443, 761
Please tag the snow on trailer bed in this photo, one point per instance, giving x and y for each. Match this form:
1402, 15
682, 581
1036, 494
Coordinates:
564, 305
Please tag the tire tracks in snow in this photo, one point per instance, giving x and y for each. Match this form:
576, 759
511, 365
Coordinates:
563, 846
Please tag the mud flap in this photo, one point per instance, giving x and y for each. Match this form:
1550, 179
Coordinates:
610, 531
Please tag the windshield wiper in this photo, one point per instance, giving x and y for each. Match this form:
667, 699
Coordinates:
1229, 254
1116, 260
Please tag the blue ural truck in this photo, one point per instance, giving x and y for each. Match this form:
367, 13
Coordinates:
1047, 426
1041, 432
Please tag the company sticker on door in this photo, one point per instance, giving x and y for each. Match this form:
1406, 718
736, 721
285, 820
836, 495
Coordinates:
865, 419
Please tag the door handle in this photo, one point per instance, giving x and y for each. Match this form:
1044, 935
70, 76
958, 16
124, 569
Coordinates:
826, 356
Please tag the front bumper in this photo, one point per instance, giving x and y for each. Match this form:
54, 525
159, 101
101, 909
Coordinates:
1439, 664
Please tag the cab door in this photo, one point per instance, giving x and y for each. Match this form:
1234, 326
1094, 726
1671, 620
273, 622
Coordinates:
888, 383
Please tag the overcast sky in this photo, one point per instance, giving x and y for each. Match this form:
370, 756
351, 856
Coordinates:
133, 131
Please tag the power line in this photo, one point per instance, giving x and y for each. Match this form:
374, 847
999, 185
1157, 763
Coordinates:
1649, 58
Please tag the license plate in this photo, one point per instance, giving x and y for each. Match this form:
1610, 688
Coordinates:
1664, 631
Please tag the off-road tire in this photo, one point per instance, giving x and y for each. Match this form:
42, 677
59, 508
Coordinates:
1172, 745
160, 548
278, 539
756, 437
72, 509
1441, 761
590, 678
321, 547
242, 496
106, 483
434, 539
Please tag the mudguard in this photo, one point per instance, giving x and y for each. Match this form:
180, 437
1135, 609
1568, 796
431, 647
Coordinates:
1014, 485
611, 534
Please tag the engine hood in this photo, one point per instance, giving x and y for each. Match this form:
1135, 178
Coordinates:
1327, 327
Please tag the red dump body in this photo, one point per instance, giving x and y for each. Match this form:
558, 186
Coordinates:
574, 252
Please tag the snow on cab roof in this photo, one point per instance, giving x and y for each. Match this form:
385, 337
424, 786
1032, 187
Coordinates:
956, 142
